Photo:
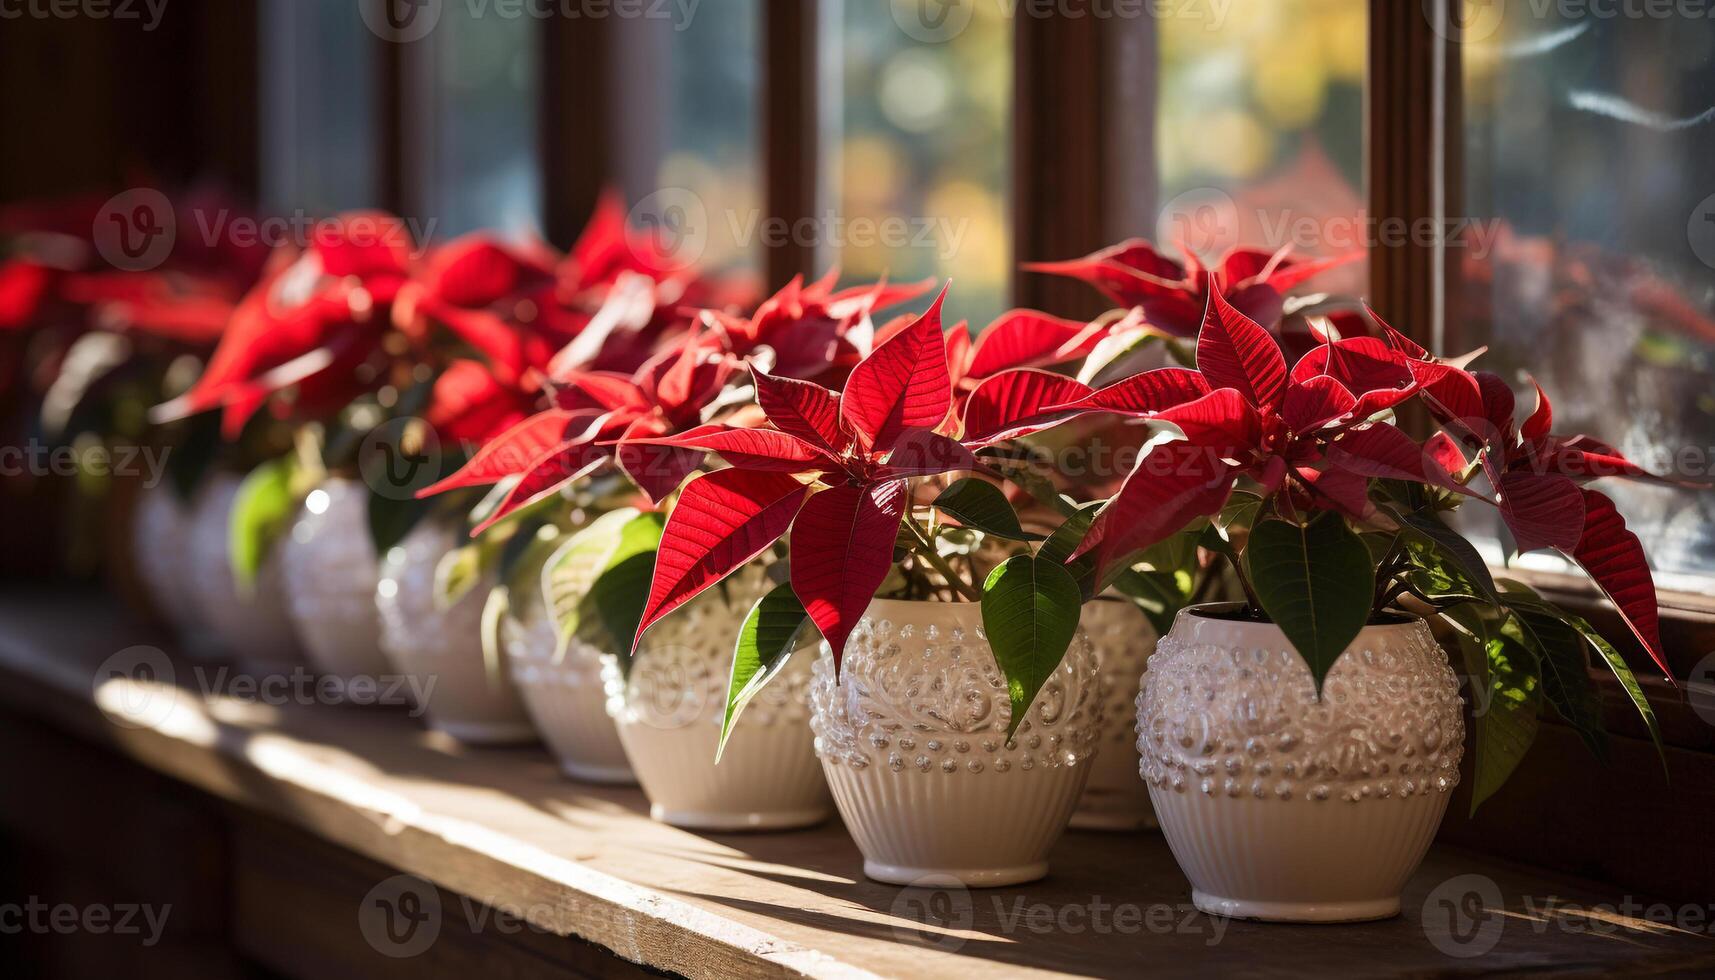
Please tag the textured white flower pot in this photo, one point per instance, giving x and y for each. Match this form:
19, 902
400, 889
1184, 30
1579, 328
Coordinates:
668, 713
443, 647
160, 546
1122, 639
565, 698
1283, 807
253, 629
913, 742
329, 571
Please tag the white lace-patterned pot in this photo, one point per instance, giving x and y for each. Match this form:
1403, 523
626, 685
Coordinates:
912, 739
1284, 806
443, 647
668, 712
565, 697
1122, 639
329, 572
253, 628
160, 547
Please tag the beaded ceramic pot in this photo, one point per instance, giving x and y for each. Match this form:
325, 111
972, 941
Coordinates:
439, 651
669, 709
1284, 806
160, 549
565, 697
912, 739
329, 571
1122, 639
252, 628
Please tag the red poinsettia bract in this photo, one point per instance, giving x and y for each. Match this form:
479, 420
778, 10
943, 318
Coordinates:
1173, 295
833, 467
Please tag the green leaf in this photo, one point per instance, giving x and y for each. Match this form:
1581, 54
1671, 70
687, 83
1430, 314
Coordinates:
1030, 610
1559, 650
494, 608
1452, 547
1159, 594
1314, 582
260, 513
1027, 477
1069, 535
766, 640
1507, 716
983, 506
1623, 674
570, 575
457, 573
621, 589
391, 518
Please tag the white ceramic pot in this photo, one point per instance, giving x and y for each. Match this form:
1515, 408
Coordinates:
328, 568
439, 651
564, 697
668, 713
160, 539
253, 629
1284, 806
1122, 639
913, 742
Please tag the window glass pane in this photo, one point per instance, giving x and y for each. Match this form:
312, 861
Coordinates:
915, 148
690, 84
317, 78
1259, 129
479, 66
1587, 148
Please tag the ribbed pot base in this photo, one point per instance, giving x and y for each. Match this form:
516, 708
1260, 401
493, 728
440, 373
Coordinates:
733, 820
606, 775
1112, 822
485, 733
900, 874
1239, 908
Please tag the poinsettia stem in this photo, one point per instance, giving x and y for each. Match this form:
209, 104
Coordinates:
926, 551
1245, 583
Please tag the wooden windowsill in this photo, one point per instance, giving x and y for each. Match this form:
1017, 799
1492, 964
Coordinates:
502, 827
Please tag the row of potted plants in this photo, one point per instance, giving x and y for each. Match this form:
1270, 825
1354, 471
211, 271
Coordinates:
773, 560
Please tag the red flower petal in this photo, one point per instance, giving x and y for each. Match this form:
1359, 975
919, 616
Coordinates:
1176, 482
1017, 403
656, 469
923, 452
1543, 511
513, 451
1541, 419
803, 409
903, 384
753, 449
1315, 402
545, 475
1615, 559
1234, 352
723, 519
1149, 392
842, 549
1222, 421
1381, 451
1026, 338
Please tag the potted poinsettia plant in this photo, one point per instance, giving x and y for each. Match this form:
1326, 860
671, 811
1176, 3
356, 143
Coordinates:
953, 701
1300, 745
595, 441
